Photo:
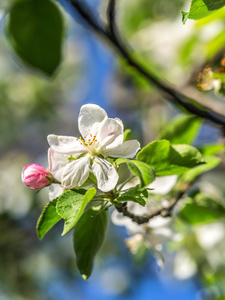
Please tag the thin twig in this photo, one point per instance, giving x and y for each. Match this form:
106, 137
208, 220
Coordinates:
111, 35
164, 211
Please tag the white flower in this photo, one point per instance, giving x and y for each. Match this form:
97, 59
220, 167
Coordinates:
72, 159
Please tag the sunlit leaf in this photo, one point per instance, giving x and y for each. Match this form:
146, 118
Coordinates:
212, 149
71, 204
47, 219
169, 159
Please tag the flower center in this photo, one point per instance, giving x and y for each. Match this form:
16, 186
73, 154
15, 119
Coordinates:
91, 143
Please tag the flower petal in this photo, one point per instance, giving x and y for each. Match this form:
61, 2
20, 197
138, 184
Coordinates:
110, 134
66, 145
105, 173
127, 150
89, 118
76, 172
120, 122
57, 162
34, 168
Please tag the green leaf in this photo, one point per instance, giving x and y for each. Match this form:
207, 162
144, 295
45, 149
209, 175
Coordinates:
134, 194
169, 159
210, 163
89, 235
202, 209
47, 219
140, 169
182, 130
71, 204
35, 30
196, 214
201, 8
184, 16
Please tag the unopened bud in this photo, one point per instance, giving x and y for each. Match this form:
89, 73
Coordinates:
35, 176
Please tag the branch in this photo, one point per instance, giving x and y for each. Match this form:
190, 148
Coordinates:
86, 15
111, 35
111, 12
164, 212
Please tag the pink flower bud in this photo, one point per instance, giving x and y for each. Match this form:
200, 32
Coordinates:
36, 176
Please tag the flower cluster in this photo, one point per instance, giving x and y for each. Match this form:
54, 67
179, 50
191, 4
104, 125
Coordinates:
73, 159
81, 168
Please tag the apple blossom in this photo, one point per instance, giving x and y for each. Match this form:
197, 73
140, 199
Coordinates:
72, 159
35, 176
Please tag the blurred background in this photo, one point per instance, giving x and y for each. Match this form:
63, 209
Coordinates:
31, 107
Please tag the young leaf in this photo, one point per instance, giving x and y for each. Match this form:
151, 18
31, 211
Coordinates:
140, 169
134, 194
202, 209
126, 135
71, 204
89, 235
35, 30
201, 8
170, 159
156, 154
182, 130
47, 219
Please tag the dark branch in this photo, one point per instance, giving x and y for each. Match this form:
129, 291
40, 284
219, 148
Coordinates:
164, 212
111, 35
111, 12
87, 16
